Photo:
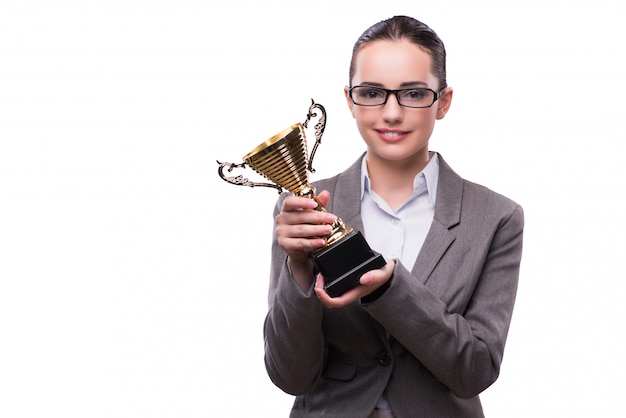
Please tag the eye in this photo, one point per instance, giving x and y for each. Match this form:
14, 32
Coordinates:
370, 93
415, 95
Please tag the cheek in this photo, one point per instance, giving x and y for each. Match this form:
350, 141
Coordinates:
428, 123
362, 121
428, 118
364, 115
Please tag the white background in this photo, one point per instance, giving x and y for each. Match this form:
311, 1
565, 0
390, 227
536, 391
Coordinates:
134, 281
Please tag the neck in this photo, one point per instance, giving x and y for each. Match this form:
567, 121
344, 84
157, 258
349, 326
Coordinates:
393, 180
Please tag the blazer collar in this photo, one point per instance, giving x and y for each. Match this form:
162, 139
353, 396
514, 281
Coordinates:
449, 196
447, 208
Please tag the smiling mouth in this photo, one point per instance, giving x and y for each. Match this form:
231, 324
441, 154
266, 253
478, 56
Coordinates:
391, 134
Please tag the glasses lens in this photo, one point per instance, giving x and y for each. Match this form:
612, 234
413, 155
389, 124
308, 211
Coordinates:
416, 97
368, 96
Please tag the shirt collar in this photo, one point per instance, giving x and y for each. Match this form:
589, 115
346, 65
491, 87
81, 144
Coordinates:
430, 173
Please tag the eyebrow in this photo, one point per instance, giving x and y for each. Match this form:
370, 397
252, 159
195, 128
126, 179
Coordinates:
405, 84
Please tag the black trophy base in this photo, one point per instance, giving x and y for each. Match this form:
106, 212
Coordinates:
343, 263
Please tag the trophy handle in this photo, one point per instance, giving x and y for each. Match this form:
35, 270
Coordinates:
240, 180
319, 129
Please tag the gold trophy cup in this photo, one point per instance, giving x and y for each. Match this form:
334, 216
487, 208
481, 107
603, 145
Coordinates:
284, 161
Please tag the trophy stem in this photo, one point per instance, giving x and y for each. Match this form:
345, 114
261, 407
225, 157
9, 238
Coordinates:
339, 229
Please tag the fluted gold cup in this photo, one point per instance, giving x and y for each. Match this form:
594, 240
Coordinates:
284, 161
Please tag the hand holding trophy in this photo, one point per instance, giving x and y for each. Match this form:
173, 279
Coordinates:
283, 159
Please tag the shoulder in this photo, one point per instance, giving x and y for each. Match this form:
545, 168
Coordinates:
460, 199
478, 194
483, 206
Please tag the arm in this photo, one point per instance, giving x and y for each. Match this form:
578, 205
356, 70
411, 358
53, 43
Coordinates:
294, 344
457, 326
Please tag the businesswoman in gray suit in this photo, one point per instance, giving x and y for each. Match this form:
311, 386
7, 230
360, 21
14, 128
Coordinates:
424, 335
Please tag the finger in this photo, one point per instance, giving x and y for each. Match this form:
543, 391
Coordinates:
294, 203
323, 198
321, 292
319, 282
302, 245
301, 230
305, 217
378, 277
347, 298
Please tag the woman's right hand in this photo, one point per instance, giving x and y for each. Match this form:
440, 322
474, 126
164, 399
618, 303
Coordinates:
300, 230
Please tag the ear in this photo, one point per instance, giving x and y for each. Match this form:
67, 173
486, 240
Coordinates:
444, 102
346, 92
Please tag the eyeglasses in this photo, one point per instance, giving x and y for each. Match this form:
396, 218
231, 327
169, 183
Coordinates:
419, 97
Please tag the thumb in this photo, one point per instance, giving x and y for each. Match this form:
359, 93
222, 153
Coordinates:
323, 198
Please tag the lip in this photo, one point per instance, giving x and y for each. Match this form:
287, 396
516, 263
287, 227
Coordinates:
391, 135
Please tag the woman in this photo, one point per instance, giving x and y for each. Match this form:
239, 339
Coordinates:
424, 335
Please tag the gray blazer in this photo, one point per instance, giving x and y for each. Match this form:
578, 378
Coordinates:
432, 342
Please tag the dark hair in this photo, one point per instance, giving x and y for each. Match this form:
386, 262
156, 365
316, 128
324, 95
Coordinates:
403, 27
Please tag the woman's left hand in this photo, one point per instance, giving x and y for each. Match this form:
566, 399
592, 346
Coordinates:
368, 283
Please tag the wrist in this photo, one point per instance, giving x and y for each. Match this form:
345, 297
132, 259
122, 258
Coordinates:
302, 272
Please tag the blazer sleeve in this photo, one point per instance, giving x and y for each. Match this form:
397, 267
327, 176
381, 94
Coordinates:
455, 321
294, 344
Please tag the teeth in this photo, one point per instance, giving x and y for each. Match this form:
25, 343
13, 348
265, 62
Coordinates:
391, 134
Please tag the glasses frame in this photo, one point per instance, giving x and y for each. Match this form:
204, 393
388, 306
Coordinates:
436, 96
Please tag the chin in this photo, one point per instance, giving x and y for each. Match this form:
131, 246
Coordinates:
398, 153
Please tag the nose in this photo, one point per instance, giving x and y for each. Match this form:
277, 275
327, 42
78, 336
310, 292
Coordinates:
392, 111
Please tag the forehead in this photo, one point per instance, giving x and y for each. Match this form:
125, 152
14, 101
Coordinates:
392, 63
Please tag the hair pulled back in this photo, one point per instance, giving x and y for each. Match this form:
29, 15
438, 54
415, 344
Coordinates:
399, 28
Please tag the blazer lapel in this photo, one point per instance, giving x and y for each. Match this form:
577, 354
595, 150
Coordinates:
447, 215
